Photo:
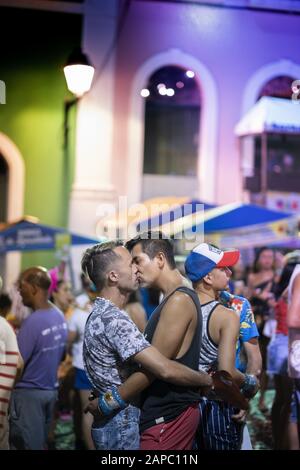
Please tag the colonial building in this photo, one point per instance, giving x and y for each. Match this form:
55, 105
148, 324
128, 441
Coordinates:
172, 80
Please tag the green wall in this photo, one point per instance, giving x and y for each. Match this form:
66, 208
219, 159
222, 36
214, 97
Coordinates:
34, 48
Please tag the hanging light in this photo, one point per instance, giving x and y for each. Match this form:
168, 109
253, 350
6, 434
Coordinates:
170, 92
190, 73
145, 93
79, 73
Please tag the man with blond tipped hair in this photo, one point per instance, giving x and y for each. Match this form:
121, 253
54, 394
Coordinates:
112, 343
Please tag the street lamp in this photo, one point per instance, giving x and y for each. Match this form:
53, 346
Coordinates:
79, 74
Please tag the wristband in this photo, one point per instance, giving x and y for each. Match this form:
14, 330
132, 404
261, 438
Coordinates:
115, 393
104, 408
107, 404
250, 386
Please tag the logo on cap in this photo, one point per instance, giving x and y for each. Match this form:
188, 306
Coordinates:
204, 258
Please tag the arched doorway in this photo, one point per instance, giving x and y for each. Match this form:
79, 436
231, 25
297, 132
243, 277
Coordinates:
13, 171
171, 136
3, 189
207, 151
3, 200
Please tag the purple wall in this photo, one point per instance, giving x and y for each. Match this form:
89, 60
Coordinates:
231, 44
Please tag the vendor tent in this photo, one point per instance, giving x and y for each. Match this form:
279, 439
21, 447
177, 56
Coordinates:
227, 217
177, 211
151, 214
270, 115
233, 216
28, 235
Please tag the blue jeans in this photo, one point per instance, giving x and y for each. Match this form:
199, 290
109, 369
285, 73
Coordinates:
31, 413
118, 433
277, 359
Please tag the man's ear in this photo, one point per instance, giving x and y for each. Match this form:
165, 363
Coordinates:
161, 259
33, 289
112, 277
208, 279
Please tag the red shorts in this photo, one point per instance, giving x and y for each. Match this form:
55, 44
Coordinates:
175, 435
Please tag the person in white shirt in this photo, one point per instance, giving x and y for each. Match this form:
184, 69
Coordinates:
76, 326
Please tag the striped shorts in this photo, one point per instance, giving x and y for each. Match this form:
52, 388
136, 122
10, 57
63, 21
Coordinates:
217, 431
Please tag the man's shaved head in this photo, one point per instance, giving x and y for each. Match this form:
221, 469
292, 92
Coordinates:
37, 276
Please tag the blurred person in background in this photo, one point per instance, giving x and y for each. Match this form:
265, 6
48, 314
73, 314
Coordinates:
6, 312
42, 341
150, 299
293, 322
82, 385
238, 281
136, 311
11, 366
20, 311
284, 429
5, 305
280, 262
69, 405
85, 300
261, 284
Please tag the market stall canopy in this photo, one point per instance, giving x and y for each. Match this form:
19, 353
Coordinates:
232, 216
151, 214
183, 208
29, 235
283, 233
227, 217
270, 115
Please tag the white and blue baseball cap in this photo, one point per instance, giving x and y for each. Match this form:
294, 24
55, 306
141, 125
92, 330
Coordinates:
204, 258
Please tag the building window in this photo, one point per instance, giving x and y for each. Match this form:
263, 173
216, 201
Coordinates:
172, 118
278, 87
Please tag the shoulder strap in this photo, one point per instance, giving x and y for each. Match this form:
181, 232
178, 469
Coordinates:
195, 299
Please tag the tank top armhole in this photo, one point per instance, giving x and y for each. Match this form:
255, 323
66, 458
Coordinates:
207, 324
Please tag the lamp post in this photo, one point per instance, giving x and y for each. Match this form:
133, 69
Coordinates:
79, 74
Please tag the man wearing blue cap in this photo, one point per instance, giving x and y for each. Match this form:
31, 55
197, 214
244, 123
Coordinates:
208, 269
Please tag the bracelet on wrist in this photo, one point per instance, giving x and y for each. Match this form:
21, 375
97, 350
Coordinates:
250, 386
117, 397
105, 409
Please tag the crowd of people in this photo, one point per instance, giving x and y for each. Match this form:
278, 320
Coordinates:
180, 376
